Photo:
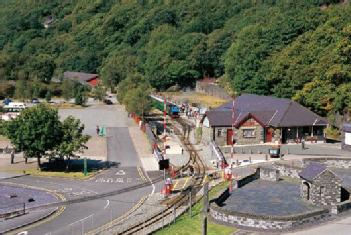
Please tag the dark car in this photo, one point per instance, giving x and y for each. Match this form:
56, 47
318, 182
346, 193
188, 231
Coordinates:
7, 101
108, 102
35, 101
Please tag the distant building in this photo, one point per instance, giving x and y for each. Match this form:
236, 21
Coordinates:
262, 119
346, 136
83, 78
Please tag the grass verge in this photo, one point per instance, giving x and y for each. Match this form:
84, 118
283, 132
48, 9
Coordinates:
74, 175
185, 225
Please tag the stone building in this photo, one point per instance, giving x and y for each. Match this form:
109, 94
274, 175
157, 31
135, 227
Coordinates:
320, 185
262, 119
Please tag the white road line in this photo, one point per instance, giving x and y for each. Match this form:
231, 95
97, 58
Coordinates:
153, 185
107, 204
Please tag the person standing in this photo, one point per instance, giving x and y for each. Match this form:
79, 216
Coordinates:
303, 144
97, 130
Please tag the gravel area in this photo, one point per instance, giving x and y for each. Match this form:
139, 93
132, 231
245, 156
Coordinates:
268, 198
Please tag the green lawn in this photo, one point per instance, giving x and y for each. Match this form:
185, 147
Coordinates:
75, 175
191, 226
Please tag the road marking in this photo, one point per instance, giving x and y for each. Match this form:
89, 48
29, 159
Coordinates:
107, 204
120, 172
176, 183
186, 182
23, 233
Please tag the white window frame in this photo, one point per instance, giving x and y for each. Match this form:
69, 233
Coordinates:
253, 133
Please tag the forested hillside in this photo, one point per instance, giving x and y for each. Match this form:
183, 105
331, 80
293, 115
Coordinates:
288, 48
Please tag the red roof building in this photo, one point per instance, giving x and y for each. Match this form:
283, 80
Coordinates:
83, 78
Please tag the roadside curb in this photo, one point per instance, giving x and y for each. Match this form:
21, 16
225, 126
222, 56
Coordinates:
13, 230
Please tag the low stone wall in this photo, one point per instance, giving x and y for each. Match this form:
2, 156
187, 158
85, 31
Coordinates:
341, 207
269, 174
266, 222
288, 170
330, 162
241, 182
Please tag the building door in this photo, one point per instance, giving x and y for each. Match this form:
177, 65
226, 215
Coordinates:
229, 136
284, 135
269, 134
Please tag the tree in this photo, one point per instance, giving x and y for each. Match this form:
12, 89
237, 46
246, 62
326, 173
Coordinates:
68, 89
22, 90
35, 131
134, 93
80, 97
99, 92
73, 140
48, 96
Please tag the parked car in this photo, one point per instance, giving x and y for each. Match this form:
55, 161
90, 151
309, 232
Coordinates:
6, 101
35, 101
108, 102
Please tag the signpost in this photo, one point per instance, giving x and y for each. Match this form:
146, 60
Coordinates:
85, 167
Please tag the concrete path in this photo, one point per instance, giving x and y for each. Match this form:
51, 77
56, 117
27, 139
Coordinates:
337, 227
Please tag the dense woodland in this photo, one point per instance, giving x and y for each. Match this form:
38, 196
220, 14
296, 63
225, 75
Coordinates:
287, 48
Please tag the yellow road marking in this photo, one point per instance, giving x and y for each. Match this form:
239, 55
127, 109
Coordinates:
186, 182
176, 183
46, 219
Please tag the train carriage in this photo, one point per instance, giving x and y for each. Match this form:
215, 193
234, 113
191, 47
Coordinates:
171, 108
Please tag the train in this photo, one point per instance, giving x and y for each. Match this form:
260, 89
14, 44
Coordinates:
171, 108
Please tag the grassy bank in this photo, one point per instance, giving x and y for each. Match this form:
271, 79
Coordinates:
191, 226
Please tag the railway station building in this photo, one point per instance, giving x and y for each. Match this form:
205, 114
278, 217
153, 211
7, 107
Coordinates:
262, 119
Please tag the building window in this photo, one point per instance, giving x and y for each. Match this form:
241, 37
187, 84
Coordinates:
219, 132
321, 191
249, 133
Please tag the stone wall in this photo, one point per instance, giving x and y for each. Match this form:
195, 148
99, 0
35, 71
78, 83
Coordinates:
325, 189
258, 139
207, 133
329, 162
288, 170
341, 207
269, 174
241, 182
266, 222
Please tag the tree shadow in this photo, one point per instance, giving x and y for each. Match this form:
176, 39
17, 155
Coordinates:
76, 165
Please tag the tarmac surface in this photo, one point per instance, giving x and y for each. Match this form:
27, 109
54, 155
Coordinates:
268, 198
125, 172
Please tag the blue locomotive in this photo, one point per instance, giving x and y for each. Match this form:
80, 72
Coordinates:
171, 108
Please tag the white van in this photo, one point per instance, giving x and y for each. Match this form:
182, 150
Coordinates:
14, 107
17, 105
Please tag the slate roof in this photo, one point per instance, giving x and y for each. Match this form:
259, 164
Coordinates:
312, 170
346, 127
269, 111
83, 77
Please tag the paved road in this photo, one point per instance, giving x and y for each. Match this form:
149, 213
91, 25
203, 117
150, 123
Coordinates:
85, 216
338, 227
120, 148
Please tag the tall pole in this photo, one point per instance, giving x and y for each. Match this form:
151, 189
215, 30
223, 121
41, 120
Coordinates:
205, 209
164, 126
164, 134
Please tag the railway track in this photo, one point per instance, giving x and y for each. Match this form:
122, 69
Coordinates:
157, 220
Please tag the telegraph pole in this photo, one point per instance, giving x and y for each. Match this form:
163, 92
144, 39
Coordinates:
164, 133
233, 124
205, 209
